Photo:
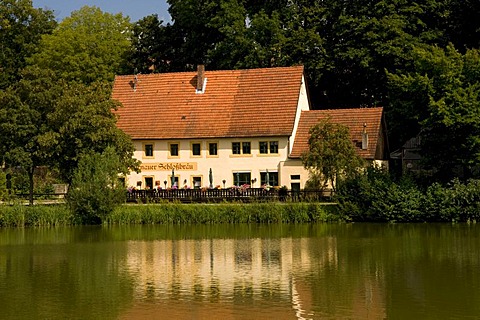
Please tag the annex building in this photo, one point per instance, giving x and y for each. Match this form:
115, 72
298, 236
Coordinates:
230, 127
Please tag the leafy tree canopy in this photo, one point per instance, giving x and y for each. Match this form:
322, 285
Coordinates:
88, 46
440, 100
21, 28
331, 153
46, 121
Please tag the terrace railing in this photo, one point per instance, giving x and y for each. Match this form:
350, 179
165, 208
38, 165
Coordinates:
228, 194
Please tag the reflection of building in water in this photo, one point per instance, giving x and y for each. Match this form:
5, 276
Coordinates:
232, 272
215, 267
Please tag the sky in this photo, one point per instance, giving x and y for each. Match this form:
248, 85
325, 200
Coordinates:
135, 9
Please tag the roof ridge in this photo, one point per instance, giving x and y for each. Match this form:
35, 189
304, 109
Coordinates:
213, 71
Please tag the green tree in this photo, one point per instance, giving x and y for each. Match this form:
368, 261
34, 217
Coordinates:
25, 133
45, 121
442, 99
21, 28
88, 46
95, 190
331, 154
154, 47
84, 121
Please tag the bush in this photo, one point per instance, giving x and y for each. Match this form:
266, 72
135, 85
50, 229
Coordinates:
374, 196
95, 191
3, 186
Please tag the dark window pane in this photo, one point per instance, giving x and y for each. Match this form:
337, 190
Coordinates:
246, 147
196, 149
149, 183
272, 178
263, 147
273, 146
236, 147
174, 149
241, 178
212, 149
149, 150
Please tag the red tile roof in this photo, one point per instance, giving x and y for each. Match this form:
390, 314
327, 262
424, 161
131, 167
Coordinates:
354, 119
236, 103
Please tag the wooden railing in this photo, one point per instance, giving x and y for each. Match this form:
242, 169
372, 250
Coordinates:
229, 194
210, 195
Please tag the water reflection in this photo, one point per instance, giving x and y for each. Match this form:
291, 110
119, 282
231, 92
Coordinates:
357, 271
245, 276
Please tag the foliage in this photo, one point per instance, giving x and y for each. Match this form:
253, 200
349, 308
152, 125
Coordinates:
88, 46
21, 28
151, 47
331, 153
95, 191
175, 213
19, 215
374, 196
441, 100
25, 130
3, 185
46, 121
84, 122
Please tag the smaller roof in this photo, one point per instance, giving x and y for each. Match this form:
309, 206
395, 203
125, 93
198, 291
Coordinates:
354, 119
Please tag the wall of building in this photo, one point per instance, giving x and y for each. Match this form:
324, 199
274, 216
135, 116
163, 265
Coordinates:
187, 166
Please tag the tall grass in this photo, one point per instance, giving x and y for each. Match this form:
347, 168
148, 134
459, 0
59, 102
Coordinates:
19, 215
176, 213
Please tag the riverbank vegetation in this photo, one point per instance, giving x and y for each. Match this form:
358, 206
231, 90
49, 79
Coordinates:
374, 195
173, 213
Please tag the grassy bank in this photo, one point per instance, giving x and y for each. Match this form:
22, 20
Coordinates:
174, 213
271, 212
20, 215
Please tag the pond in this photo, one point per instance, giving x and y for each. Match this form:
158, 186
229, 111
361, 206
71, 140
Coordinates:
320, 271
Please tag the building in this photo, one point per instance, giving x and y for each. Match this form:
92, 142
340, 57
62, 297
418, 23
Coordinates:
231, 127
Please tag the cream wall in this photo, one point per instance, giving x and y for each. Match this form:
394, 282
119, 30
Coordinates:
303, 105
223, 166
292, 167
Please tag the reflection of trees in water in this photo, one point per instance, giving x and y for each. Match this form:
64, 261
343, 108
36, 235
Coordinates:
49, 274
366, 270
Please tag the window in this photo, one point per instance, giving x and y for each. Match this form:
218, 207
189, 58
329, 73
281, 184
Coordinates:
241, 178
197, 182
174, 149
273, 146
212, 149
148, 148
295, 177
236, 147
241, 148
149, 183
263, 147
246, 147
196, 149
272, 178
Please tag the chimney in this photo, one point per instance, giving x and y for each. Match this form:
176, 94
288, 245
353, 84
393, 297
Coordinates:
364, 137
200, 78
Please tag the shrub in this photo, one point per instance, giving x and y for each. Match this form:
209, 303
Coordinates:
95, 191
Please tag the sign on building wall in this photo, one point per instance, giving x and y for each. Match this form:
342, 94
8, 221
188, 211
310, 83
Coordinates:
178, 166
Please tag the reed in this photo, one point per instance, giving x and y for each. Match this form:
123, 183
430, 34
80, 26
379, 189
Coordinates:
176, 213
19, 215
